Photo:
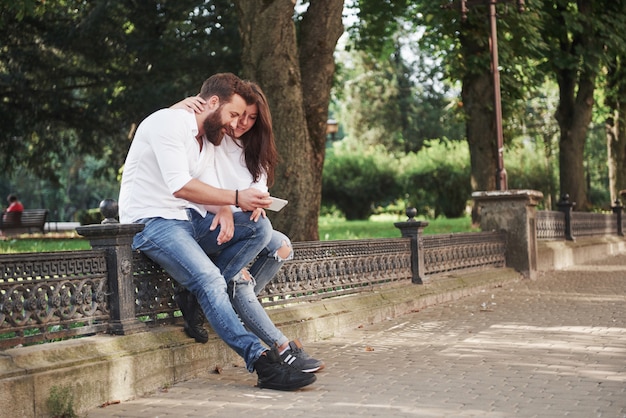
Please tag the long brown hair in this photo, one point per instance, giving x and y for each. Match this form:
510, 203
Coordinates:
259, 146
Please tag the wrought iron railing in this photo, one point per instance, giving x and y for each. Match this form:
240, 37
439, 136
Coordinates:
44, 296
550, 224
463, 251
564, 225
47, 296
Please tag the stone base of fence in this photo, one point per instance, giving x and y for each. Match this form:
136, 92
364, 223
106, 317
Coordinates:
109, 368
559, 254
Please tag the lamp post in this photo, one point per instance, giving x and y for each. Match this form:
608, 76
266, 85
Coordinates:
501, 178
332, 127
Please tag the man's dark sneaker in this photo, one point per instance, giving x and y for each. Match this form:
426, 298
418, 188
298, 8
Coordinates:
193, 315
274, 374
296, 357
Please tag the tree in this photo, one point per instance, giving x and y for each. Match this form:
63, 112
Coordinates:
295, 68
579, 34
616, 125
80, 75
462, 46
390, 101
87, 71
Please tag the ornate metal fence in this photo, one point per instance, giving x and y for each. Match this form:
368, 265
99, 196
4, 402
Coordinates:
52, 295
587, 224
550, 224
568, 224
45, 296
325, 269
447, 253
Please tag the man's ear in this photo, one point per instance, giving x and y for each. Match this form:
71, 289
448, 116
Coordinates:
213, 102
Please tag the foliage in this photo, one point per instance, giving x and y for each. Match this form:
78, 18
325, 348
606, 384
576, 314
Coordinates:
380, 103
89, 216
357, 178
436, 180
82, 184
61, 402
78, 76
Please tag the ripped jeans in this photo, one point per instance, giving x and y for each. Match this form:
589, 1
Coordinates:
243, 292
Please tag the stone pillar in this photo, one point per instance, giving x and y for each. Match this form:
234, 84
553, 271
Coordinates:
414, 229
514, 212
116, 239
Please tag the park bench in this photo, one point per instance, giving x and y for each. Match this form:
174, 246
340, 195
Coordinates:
28, 221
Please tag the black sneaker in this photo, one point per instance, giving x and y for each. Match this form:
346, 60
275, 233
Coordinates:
193, 316
274, 374
296, 357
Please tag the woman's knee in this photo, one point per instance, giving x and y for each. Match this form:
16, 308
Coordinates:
280, 247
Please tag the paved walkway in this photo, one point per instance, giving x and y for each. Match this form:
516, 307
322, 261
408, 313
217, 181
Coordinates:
551, 347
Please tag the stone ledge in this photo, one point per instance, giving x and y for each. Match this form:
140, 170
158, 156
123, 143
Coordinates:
560, 254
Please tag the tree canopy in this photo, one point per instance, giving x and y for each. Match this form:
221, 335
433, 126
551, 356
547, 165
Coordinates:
80, 75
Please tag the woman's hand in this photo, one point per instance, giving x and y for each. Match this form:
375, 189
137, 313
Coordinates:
257, 214
192, 104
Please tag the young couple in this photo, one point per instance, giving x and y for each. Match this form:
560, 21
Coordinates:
198, 182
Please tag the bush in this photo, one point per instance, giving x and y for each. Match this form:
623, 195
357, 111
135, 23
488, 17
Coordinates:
356, 179
89, 216
437, 179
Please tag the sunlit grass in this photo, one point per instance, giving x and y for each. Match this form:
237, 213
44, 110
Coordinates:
42, 244
382, 226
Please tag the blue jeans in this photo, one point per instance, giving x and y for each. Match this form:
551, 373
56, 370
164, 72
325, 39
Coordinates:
244, 292
181, 248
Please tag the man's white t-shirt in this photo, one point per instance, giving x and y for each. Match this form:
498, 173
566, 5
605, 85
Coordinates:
163, 157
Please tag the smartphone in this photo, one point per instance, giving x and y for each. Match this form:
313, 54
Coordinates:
277, 204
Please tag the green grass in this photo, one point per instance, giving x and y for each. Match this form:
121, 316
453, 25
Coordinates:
42, 243
330, 228
382, 226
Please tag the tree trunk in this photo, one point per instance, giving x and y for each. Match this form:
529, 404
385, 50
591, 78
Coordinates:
576, 79
616, 127
297, 81
616, 145
480, 125
574, 115
478, 106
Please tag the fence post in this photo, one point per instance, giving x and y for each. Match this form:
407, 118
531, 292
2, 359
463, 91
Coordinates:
414, 229
566, 207
115, 239
514, 212
617, 210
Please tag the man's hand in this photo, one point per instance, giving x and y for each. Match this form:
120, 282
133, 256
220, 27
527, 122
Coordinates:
251, 199
224, 218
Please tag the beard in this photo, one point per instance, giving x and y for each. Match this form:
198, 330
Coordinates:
214, 128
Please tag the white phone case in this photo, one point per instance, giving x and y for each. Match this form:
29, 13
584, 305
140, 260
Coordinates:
277, 204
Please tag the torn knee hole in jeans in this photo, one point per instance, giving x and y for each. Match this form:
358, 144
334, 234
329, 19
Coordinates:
245, 278
284, 253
